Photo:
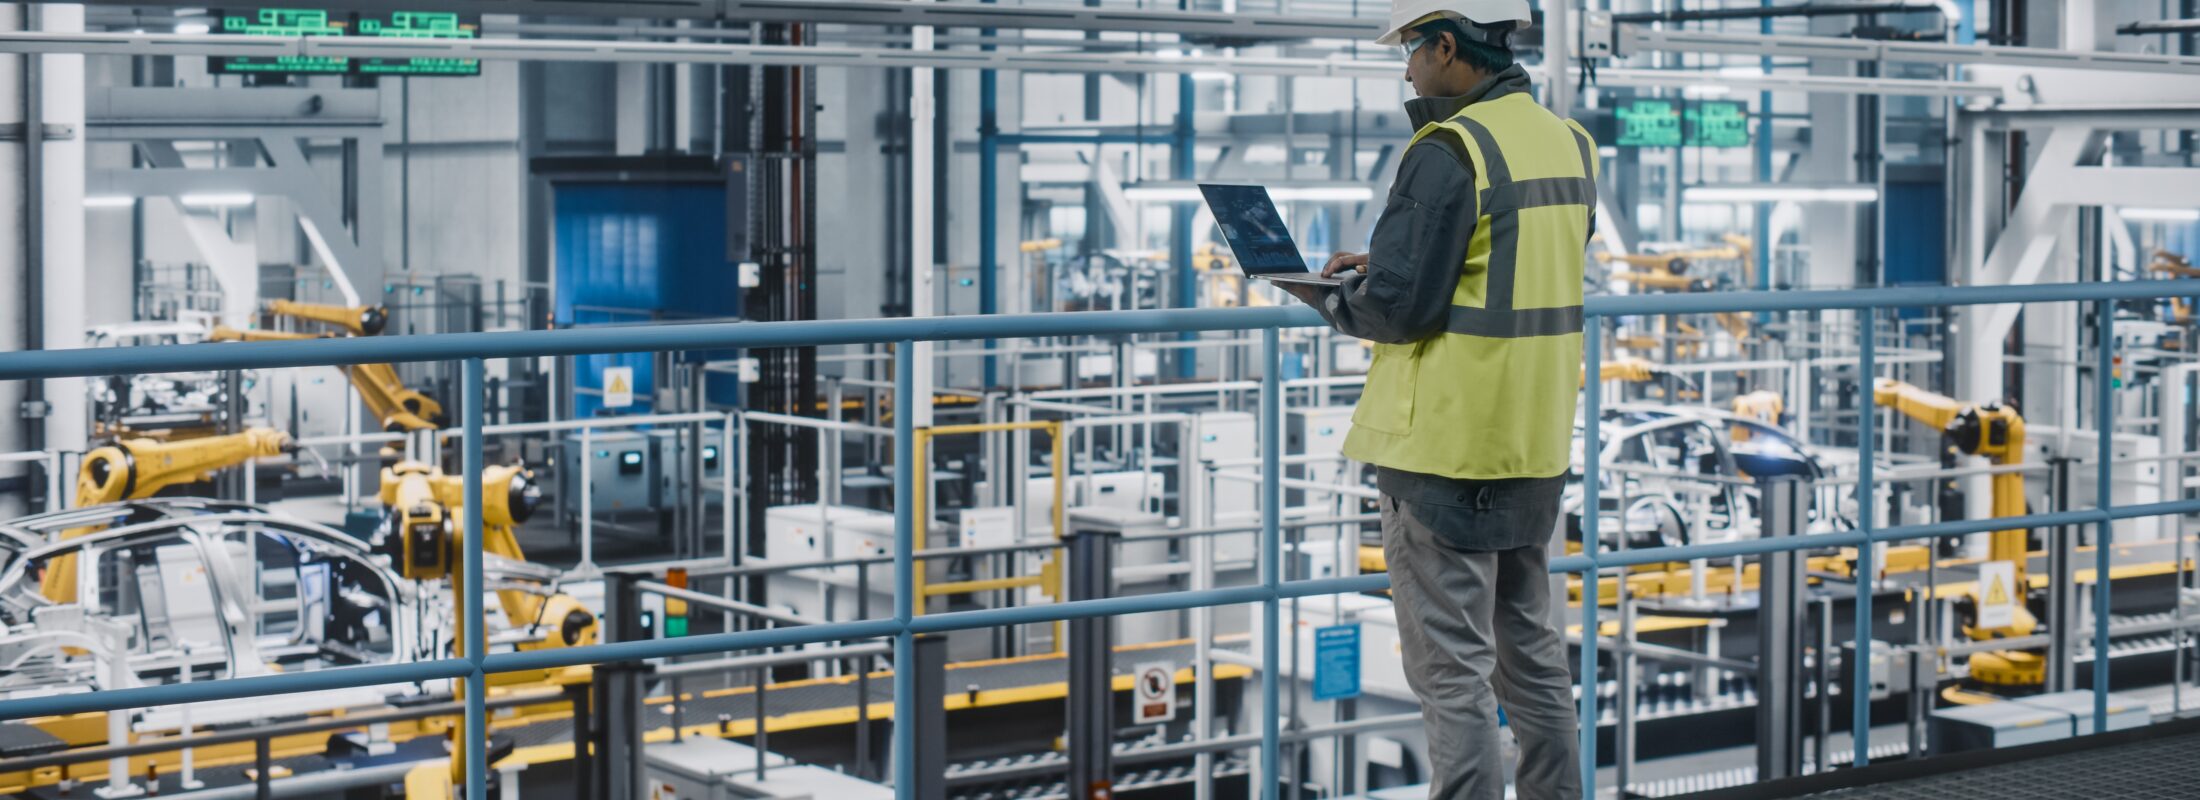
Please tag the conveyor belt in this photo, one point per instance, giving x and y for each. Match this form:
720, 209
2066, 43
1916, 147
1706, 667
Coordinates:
833, 701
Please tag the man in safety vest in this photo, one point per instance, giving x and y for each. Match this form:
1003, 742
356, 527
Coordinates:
1471, 293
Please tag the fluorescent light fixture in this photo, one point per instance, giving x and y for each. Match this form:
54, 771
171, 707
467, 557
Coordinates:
1162, 194
109, 201
1189, 193
1212, 76
1742, 71
1706, 90
216, 200
1781, 194
192, 28
2185, 215
1321, 194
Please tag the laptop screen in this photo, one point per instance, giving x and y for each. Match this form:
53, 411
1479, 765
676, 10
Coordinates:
1255, 231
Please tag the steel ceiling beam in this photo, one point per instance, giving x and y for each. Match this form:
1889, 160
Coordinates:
1638, 38
169, 44
943, 14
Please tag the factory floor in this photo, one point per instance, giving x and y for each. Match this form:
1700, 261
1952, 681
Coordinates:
2163, 767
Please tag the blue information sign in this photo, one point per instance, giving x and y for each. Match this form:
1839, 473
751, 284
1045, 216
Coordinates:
1337, 662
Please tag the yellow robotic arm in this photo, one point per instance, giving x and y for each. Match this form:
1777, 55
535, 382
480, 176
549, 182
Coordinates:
399, 407
429, 506
132, 469
1763, 406
1629, 369
224, 333
358, 320
1995, 432
1934, 410
387, 397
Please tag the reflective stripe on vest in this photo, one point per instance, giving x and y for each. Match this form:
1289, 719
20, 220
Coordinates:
1493, 396
1500, 205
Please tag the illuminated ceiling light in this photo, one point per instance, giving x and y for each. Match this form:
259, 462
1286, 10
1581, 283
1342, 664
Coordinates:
1211, 76
1781, 194
1162, 194
2187, 215
1323, 194
1171, 192
216, 200
1706, 90
109, 201
192, 28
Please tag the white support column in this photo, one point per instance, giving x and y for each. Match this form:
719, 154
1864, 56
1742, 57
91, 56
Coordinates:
634, 107
922, 174
62, 100
1558, 87
14, 435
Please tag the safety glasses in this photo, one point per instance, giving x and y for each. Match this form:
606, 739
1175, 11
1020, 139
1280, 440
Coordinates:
1408, 47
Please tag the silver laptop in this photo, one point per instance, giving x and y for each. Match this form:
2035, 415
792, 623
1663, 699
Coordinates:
1257, 235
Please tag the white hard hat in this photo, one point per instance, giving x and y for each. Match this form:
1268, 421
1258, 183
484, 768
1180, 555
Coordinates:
1405, 14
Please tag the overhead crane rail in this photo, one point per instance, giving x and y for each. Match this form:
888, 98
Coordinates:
1269, 592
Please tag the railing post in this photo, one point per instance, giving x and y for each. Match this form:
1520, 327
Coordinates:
1271, 544
1592, 455
1867, 561
2104, 386
477, 640
905, 489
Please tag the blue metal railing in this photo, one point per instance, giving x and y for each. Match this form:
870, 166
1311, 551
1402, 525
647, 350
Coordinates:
475, 664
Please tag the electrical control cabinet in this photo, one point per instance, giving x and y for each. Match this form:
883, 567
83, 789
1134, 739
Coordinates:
670, 448
620, 469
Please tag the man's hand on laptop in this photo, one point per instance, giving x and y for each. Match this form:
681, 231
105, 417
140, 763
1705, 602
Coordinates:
1344, 262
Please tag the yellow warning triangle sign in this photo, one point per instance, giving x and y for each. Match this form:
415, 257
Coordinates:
618, 384
1997, 592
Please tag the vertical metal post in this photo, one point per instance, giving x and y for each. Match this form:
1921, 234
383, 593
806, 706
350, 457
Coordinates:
905, 676
1780, 626
2062, 596
1592, 447
1271, 543
1091, 686
1867, 562
1184, 167
2105, 407
585, 464
930, 724
863, 678
262, 764
726, 500
584, 769
763, 745
477, 640
989, 209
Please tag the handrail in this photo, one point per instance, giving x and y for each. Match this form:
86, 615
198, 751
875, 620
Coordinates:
1269, 592
101, 361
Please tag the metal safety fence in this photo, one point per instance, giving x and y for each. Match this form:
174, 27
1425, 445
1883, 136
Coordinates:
472, 349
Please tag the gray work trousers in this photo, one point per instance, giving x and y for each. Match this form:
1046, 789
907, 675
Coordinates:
1475, 630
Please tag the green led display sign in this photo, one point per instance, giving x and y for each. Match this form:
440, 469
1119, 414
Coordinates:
313, 22
282, 22
1718, 123
418, 25
1667, 123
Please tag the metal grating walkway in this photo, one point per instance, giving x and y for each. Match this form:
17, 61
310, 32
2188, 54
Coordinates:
2163, 767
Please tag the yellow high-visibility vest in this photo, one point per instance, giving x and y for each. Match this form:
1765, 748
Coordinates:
1493, 396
